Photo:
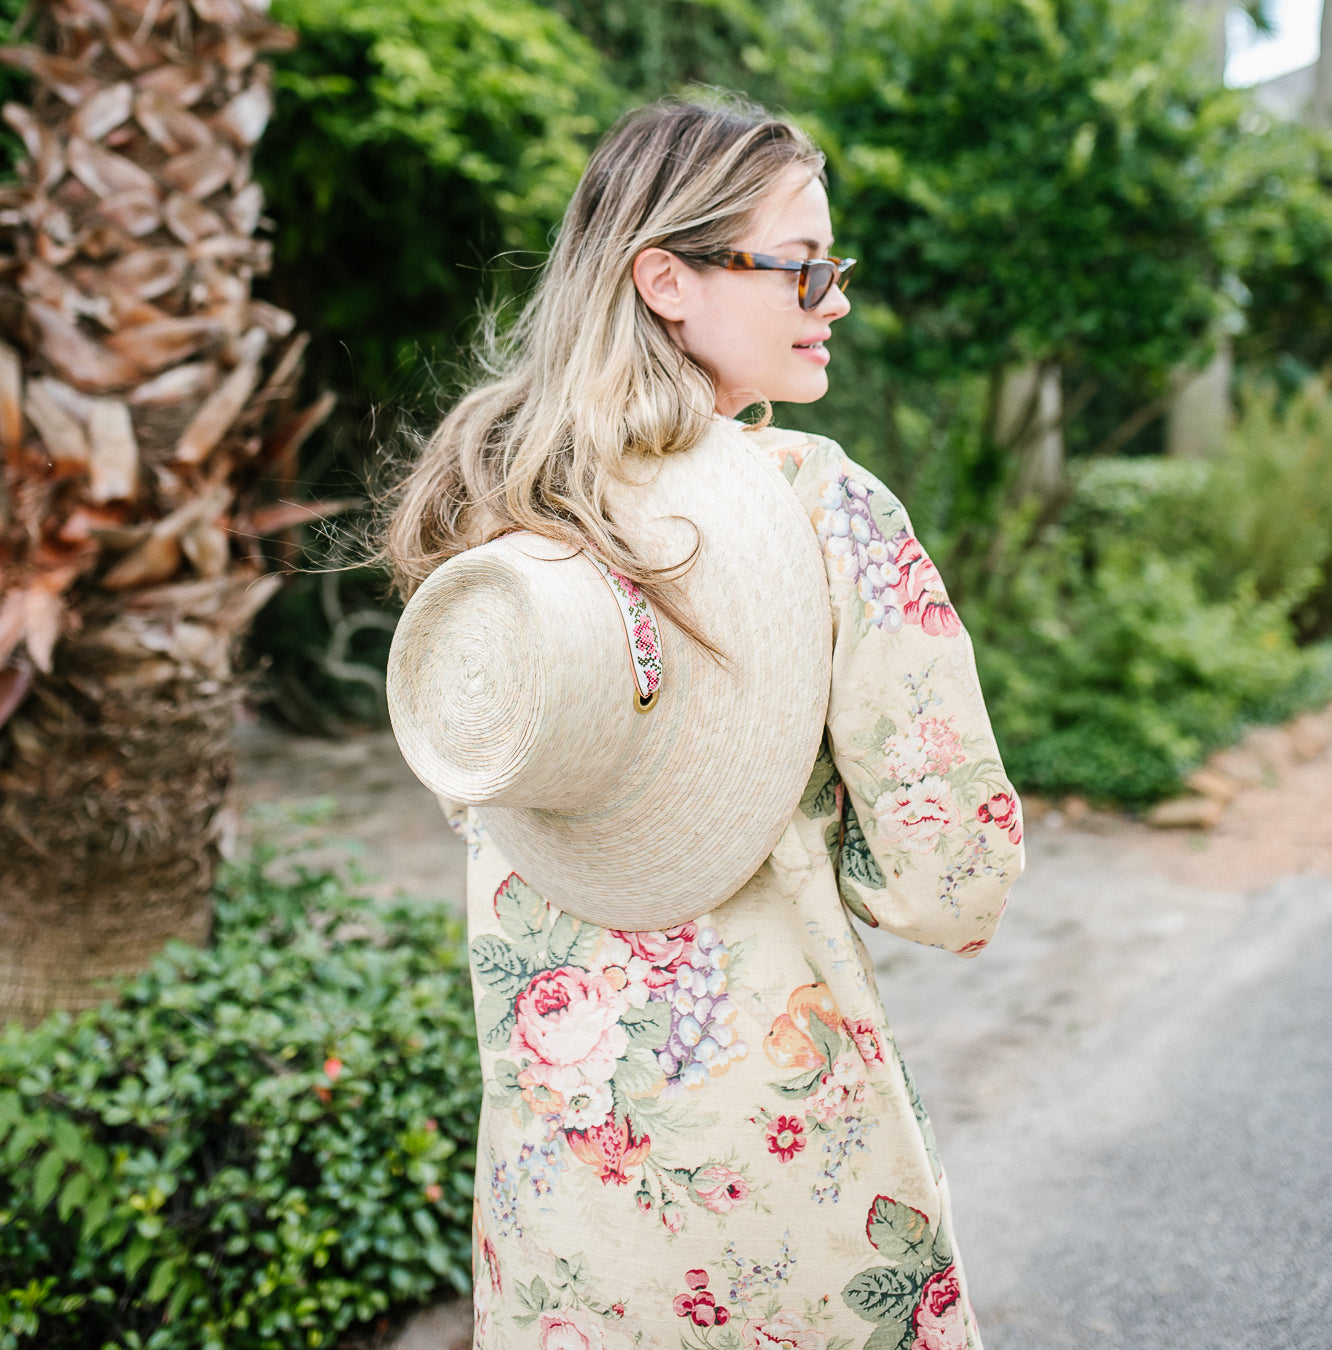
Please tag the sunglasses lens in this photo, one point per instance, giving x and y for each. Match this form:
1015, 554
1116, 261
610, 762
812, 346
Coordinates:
819, 278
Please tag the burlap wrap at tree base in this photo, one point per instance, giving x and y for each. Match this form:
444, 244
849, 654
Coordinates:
511, 689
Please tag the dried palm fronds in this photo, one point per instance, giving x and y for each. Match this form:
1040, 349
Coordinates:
144, 399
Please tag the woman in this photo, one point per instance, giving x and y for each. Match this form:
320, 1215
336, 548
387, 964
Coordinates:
703, 1135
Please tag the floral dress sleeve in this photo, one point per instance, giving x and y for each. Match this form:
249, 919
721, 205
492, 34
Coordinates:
930, 836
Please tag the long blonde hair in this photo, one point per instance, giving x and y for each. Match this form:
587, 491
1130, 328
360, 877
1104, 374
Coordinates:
588, 375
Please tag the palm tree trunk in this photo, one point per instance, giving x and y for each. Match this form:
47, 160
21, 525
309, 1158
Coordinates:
143, 402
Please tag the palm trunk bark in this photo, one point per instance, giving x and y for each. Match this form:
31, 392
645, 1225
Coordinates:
144, 399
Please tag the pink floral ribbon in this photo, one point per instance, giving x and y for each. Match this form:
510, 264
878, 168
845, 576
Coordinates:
641, 629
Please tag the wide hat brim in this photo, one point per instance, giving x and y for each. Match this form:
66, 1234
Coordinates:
511, 689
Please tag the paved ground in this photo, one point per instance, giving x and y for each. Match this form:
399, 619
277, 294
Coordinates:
1132, 1088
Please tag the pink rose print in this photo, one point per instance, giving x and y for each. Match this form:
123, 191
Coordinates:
611, 1148
868, 1041
785, 1137
938, 1320
567, 1023
786, 1331
698, 1305
1002, 810
664, 951
921, 589
568, 1329
918, 812
941, 744
719, 1188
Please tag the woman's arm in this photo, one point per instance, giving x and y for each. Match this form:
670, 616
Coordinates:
931, 838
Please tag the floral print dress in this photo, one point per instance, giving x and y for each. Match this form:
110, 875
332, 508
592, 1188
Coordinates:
705, 1137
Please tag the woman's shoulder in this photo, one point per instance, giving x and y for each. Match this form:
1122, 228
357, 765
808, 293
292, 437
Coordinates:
795, 451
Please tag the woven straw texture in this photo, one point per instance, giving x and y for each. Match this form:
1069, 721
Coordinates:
511, 688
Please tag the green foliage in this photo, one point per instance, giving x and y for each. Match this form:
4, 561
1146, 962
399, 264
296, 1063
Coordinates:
1011, 171
1145, 630
267, 1140
412, 142
660, 48
1282, 220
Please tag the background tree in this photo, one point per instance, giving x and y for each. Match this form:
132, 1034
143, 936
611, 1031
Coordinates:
144, 396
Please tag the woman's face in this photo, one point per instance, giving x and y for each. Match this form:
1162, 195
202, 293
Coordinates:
747, 328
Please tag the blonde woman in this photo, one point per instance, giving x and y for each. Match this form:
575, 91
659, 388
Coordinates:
698, 1132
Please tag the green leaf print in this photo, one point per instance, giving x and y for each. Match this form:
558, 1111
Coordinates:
504, 1087
802, 1086
535, 1295
650, 1025
883, 1293
857, 862
899, 1233
894, 1335
498, 966
826, 1041
820, 795
520, 909
494, 1021
638, 1074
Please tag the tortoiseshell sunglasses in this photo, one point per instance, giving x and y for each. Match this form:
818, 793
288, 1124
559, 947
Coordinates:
817, 275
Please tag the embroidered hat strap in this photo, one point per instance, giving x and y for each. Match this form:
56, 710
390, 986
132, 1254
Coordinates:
642, 631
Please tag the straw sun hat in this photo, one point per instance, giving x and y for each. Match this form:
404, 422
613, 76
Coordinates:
628, 776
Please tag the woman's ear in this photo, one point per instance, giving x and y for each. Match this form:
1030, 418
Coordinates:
663, 280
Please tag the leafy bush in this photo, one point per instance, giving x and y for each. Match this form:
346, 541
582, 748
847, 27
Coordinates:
265, 1142
1011, 173
1156, 620
411, 143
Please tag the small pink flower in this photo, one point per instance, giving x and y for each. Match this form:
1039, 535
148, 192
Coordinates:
787, 1330
866, 1036
785, 1137
568, 1329
333, 1069
1002, 810
672, 1217
720, 1189
434, 1193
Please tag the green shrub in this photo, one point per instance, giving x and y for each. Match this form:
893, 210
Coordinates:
1156, 620
266, 1141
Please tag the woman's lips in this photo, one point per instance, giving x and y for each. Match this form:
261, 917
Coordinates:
814, 350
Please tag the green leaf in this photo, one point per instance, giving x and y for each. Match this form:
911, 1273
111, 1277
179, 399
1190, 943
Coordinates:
802, 1086
899, 1233
648, 1025
498, 966
47, 1178
857, 863
895, 1333
638, 1073
883, 1293
820, 795
495, 1019
72, 1194
68, 1139
94, 1216
522, 912
565, 938
139, 1252
164, 1273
